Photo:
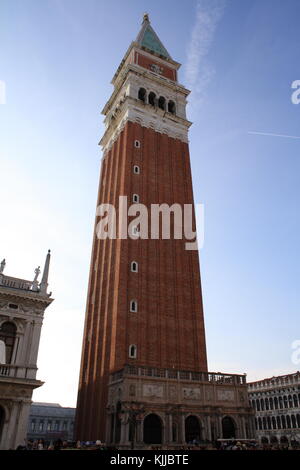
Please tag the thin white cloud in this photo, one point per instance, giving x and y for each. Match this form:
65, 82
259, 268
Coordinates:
270, 134
198, 70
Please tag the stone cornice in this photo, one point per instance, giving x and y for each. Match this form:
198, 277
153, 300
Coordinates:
17, 294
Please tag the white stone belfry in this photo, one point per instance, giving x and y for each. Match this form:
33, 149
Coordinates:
22, 306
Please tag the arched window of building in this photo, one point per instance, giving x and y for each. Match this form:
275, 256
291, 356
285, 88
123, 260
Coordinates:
228, 428
257, 405
278, 422
273, 440
284, 440
8, 332
283, 422
280, 403
285, 401
290, 400
133, 306
294, 423
132, 351
276, 403
274, 422
267, 403
192, 429
271, 403
152, 429
264, 423
298, 421
295, 400
152, 98
142, 94
269, 424
262, 404
162, 103
288, 421
259, 424
134, 266
171, 107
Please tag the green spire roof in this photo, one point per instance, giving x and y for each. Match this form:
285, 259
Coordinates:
148, 38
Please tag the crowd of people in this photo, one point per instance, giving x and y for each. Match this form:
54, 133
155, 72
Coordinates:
222, 444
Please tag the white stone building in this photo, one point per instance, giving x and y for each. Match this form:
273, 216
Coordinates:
22, 306
276, 402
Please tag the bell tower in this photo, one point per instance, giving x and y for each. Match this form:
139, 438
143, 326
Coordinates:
144, 321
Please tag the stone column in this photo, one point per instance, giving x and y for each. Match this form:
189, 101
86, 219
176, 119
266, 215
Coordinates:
124, 430
8, 441
182, 429
243, 427
22, 423
208, 433
168, 429
34, 347
109, 419
22, 356
219, 427
138, 431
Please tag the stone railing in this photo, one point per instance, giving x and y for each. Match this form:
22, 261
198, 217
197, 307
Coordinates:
15, 283
211, 377
19, 372
266, 384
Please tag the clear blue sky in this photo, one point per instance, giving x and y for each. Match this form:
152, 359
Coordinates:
57, 58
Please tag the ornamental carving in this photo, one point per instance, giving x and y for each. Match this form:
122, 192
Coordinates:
225, 395
156, 68
191, 393
153, 391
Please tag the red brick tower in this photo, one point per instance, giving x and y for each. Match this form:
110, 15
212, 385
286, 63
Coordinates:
144, 305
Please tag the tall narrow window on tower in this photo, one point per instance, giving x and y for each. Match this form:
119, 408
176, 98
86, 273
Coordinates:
132, 351
133, 306
134, 267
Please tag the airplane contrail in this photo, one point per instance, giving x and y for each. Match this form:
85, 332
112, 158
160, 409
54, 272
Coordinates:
274, 135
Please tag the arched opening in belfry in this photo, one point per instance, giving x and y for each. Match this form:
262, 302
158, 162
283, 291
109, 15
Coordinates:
142, 94
162, 103
228, 428
171, 107
152, 98
8, 331
152, 429
192, 429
